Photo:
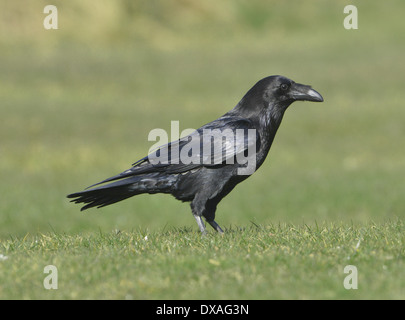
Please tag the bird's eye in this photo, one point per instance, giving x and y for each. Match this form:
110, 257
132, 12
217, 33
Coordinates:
284, 86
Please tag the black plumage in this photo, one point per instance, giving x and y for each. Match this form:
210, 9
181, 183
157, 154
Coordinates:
200, 168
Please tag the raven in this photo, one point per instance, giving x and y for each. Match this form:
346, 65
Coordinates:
215, 167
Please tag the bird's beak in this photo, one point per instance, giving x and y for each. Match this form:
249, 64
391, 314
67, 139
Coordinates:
304, 93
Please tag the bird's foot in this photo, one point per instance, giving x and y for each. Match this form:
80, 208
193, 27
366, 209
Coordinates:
216, 226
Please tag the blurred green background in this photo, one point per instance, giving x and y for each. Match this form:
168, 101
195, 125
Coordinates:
77, 104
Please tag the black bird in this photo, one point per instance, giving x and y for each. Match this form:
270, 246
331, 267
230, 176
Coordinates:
200, 168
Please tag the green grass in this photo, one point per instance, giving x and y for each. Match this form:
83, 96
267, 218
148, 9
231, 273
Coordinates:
255, 262
77, 104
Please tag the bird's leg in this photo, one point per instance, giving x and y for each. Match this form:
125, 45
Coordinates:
200, 223
215, 226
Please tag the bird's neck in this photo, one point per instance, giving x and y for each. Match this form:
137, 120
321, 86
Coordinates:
270, 120
267, 123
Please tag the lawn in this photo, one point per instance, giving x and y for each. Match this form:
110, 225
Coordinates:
255, 262
77, 105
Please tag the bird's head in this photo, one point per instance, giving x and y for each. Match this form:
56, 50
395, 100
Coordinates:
268, 99
276, 93
280, 90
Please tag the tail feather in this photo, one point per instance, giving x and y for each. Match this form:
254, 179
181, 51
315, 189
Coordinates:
120, 190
